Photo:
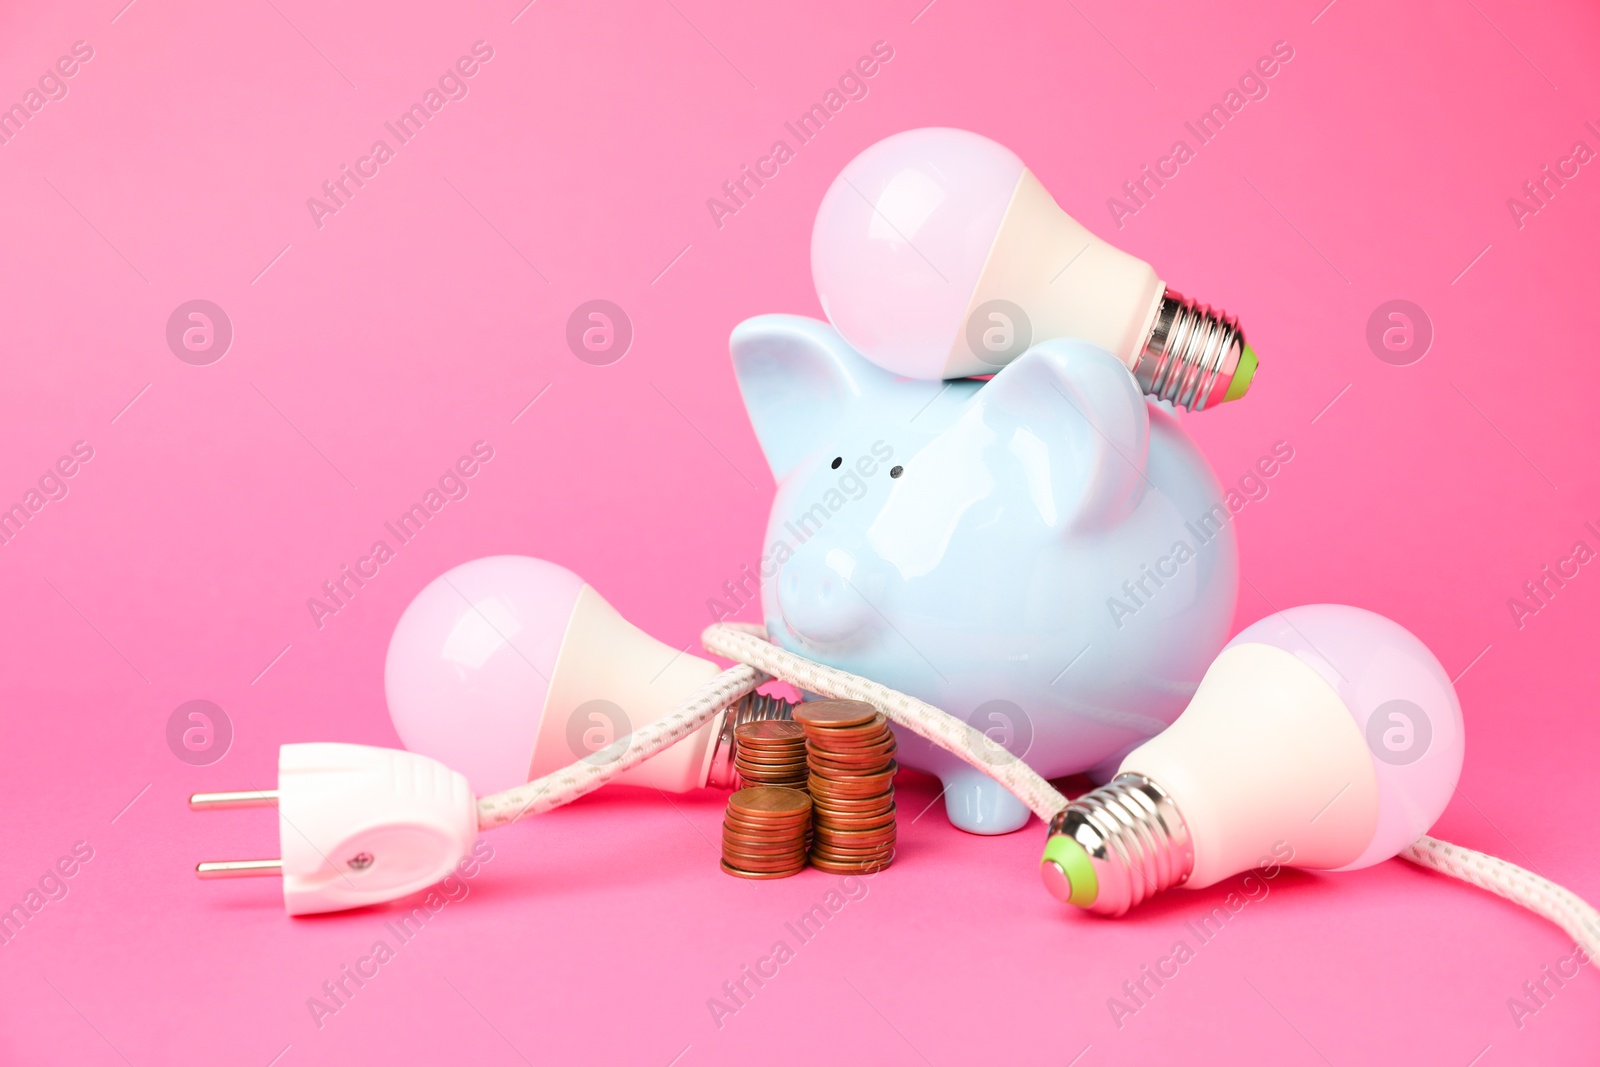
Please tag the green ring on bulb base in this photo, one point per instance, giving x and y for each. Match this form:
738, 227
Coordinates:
1065, 866
1243, 375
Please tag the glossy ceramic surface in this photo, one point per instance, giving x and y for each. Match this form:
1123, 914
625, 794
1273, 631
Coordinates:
1043, 554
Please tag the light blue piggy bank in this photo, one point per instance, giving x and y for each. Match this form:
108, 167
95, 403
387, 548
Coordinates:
1042, 554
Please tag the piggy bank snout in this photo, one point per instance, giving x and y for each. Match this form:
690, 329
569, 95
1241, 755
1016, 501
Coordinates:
822, 593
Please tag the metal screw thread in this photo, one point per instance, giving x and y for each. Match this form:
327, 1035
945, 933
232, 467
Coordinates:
752, 707
1136, 839
1191, 355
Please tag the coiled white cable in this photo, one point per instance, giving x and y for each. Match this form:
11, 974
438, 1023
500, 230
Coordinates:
760, 660
748, 644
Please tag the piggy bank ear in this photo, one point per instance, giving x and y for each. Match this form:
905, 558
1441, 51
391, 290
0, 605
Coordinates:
1074, 418
799, 379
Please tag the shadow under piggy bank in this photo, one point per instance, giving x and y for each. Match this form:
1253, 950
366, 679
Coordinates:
1044, 554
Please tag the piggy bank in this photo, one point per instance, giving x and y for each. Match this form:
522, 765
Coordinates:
1044, 554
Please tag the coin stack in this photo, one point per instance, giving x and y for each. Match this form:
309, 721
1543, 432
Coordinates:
764, 832
850, 750
771, 752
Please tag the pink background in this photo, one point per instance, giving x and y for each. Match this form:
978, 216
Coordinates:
374, 351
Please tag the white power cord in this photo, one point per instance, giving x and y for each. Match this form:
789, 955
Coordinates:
585, 776
748, 644
340, 805
1539, 895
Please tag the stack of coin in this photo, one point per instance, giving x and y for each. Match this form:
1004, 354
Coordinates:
850, 750
771, 752
764, 832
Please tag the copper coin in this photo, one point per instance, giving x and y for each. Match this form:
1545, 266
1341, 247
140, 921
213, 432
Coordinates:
769, 730
773, 764
852, 835
876, 750
827, 791
765, 829
845, 840
735, 840
875, 824
750, 859
855, 820
760, 827
853, 776
834, 741
829, 768
870, 824
737, 873
767, 863
840, 855
792, 745
838, 864
764, 773
835, 714
852, 753
830, 806
884, 773
851, 868
844, 776
764, 863
851, 758
730, 839
756, 834
824, 788
766, 801
875, 730
836, 815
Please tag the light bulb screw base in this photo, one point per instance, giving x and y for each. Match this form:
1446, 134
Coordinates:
1116, 846
752, 707
1195, 357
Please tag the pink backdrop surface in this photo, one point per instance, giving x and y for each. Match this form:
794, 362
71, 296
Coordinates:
374, 345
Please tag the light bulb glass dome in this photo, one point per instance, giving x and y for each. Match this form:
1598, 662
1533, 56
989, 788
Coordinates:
1402, 702
901, 238
470, 663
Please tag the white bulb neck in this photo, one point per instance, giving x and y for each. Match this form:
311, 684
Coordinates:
1067, 282
610, 679
1266, 766
1266, 756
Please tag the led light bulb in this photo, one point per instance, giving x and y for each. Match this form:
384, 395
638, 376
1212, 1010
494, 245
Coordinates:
937, 254
508, 667
1322, 737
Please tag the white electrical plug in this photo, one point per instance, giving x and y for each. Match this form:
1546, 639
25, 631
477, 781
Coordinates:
357, 825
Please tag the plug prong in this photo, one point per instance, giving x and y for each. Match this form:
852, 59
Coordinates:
246, 798
239, 869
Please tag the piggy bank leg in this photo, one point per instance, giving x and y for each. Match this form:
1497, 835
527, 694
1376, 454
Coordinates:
978, 804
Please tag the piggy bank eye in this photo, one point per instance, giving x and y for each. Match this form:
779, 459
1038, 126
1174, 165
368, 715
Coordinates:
896, 471
836, 461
